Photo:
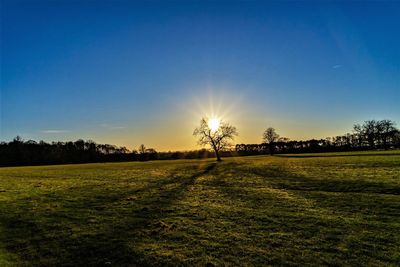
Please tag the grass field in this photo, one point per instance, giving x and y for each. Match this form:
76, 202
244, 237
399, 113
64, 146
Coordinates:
305, 210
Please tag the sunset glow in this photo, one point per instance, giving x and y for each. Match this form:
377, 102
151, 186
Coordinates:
199, 133
140, 81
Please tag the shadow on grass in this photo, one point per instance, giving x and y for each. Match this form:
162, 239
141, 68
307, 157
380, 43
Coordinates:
283, 180
265, 215
312, 213
337, 155
85, 230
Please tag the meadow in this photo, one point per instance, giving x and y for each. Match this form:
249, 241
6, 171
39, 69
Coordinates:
334, 209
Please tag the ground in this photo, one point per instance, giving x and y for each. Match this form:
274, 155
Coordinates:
304, 210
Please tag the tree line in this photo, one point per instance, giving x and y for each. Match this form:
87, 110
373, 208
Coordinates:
372, 134
19, 152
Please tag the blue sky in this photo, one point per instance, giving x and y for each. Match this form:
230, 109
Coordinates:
127, 73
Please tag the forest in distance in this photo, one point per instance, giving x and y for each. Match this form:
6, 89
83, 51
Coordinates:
372, 134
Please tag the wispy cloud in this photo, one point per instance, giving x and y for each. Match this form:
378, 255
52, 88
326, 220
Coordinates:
118, 127
112, 127
53, 131
337, 66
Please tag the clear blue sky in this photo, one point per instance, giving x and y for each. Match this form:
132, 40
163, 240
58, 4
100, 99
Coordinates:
127, 73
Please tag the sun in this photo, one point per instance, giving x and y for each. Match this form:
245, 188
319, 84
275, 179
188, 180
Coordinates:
213, 124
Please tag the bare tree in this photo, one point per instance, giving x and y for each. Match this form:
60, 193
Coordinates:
270, 137
377, 134
359, 133
142, 149
386, 129
219, 139
370, 132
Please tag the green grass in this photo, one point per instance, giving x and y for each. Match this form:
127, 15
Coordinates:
304, 210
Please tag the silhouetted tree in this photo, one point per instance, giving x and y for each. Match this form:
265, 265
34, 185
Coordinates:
369, 129
142, 149
270, 137
151, 154
218, 139
374, 133
386, 131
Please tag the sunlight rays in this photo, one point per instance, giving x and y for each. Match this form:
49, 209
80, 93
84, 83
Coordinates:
213, 124
216, 106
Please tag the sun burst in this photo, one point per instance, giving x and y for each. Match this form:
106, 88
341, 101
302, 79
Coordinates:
213, 124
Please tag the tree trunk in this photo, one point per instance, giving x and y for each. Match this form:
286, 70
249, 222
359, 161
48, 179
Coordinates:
218, 157
271, 148
371, 142
385, 146
216, 151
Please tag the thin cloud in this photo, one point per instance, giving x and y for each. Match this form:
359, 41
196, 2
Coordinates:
112, 127
53, 131
117, 127
337, 66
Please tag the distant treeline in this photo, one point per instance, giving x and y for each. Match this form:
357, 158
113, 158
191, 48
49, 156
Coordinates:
19, 153
370, 135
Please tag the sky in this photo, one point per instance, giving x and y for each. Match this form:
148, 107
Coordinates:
127, 73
